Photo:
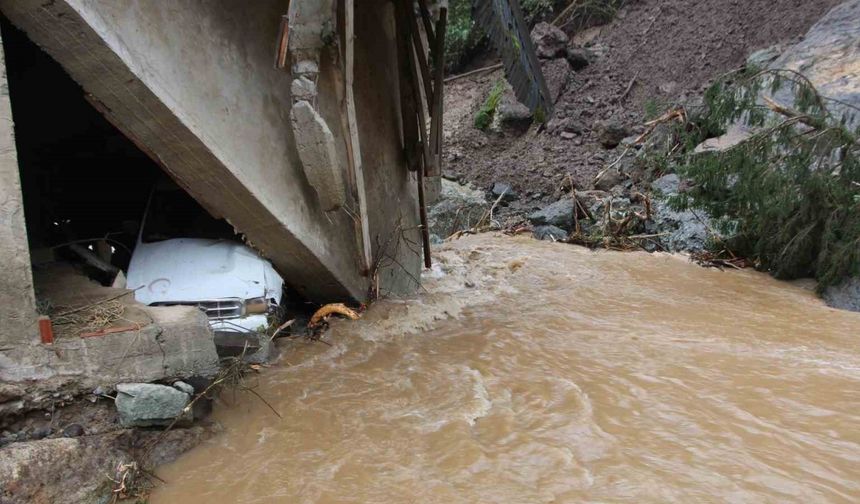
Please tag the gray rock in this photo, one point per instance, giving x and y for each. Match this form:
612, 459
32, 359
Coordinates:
9, 392
458, 208
557, 74
609, 179
549, 41
549, 233
610, 133
73, 430
510, 113
41, 432
504, 190
10, 408
592, 200
764, 57
149, 404
828, 56
667, 184
181, 385
684, 231
303, 88
844, 295
579, 57
559, 214
564, 125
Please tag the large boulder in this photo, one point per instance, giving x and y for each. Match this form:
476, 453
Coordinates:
828, 57
150, 404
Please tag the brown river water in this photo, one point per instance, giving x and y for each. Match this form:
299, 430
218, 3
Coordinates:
533, 372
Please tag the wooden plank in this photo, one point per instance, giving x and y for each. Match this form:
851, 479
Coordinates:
428, 22
283, 43
434, 169
408, 100
422, 210
421, 51
349, 63
425, 147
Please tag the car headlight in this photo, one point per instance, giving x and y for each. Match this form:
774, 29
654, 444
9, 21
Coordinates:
257, 305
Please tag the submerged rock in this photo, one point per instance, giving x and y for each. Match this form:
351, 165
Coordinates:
150, 404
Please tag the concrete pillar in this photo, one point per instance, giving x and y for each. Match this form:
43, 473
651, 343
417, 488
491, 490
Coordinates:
17, 301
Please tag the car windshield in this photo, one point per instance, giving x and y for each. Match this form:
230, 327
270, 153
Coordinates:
174, 214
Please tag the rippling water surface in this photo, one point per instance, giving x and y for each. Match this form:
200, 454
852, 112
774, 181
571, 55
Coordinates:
534, 372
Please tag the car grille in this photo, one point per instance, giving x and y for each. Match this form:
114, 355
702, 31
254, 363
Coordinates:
216, 309
221, 308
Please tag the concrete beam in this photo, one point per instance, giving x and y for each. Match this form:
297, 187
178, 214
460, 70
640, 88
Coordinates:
178, 343
17, 299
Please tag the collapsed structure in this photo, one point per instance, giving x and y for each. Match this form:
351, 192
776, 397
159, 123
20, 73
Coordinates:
305, 157
310, 126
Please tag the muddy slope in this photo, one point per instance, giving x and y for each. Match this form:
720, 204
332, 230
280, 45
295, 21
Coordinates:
668, 49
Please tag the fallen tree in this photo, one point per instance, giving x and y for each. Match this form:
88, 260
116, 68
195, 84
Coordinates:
787, 195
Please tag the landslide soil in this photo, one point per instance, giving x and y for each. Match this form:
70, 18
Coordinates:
669, 49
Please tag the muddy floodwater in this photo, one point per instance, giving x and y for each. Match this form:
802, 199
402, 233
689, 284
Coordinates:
533, 372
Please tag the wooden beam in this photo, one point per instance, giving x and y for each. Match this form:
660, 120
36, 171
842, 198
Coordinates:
428, 22
425, 146
422, 210
408, 100
435, 167
349, 63
424, 69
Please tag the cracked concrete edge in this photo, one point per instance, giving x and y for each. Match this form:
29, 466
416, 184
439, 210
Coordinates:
178, 344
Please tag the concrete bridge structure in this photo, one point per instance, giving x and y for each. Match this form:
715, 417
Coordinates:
285, 121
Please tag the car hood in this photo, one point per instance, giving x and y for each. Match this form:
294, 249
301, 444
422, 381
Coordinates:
193, 269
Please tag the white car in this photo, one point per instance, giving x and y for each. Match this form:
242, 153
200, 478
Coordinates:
184, 256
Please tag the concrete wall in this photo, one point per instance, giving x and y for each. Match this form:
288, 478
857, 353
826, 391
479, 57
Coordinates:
193, 83
392, 189
17, 300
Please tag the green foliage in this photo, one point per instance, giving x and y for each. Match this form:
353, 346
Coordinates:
461, 35
789, 195
654, 107
535, 10
484, 117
